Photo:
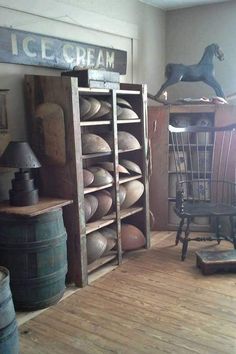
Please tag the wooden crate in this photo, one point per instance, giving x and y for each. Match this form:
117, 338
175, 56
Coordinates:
216, 261
95, 78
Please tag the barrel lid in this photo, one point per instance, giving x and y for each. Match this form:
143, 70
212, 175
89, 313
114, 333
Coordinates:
3, 273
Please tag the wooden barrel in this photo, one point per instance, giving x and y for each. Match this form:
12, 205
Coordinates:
9, 340
34, 251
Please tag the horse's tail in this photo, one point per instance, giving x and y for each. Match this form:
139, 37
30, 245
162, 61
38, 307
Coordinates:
168, 70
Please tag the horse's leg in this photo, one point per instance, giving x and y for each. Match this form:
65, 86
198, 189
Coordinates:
173, 79
163, 87
211, 81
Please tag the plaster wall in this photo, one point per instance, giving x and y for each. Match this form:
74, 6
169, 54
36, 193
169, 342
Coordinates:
128, 25
189, 31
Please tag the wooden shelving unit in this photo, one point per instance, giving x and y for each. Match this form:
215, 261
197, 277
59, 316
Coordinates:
161, 202
66, 181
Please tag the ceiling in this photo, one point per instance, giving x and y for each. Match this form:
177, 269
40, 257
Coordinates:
177, 4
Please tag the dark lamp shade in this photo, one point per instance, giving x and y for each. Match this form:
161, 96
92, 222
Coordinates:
18, 154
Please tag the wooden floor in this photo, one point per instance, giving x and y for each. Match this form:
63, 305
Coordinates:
153, 303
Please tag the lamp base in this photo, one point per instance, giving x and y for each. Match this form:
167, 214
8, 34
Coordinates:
23, 192
23, 198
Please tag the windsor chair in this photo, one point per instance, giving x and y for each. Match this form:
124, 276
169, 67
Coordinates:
205, 162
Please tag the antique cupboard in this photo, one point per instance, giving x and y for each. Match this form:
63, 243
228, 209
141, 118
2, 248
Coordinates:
162, 181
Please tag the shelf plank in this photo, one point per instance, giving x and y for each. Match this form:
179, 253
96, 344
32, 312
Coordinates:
96, 225
93, 91
128, 179
128, 121
94, 123
101, 261
193, 108
108, 122
124, 213
95, 189
88, 190
128, 92
43, 206
100, 154
129, 150
102, 91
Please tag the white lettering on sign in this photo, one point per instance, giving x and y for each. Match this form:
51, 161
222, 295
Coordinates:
100, 60
67, 48
110, 59
14, 44
26, 49
90, 57
81, 57
46, 46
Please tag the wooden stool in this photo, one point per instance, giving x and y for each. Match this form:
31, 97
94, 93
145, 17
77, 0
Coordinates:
216, 261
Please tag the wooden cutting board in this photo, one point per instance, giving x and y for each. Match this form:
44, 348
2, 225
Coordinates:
4, 140
51, 128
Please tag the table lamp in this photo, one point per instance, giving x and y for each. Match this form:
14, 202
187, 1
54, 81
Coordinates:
18, 154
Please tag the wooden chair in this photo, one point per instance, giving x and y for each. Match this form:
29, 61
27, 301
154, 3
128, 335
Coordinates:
205, 162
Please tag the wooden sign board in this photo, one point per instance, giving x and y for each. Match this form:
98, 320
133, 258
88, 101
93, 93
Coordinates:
20, 47
3, 110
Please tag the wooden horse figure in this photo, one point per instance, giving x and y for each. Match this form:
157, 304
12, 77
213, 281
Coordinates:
203, 71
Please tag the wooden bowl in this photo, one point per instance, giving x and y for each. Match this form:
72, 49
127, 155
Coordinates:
104, 204
134, 190
131, 237
96, 245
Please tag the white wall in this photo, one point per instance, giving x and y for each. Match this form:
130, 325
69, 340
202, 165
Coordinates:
189, 31
149, 45
128, 25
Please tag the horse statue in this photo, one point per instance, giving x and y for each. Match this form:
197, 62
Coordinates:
203, 71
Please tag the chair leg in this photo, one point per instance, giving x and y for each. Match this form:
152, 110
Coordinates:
179, 232
218, 229
185, 241
233, 236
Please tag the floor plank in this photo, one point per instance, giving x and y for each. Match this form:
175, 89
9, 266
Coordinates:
153, 303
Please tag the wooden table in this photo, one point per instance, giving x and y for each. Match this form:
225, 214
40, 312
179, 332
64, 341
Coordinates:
44, 205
